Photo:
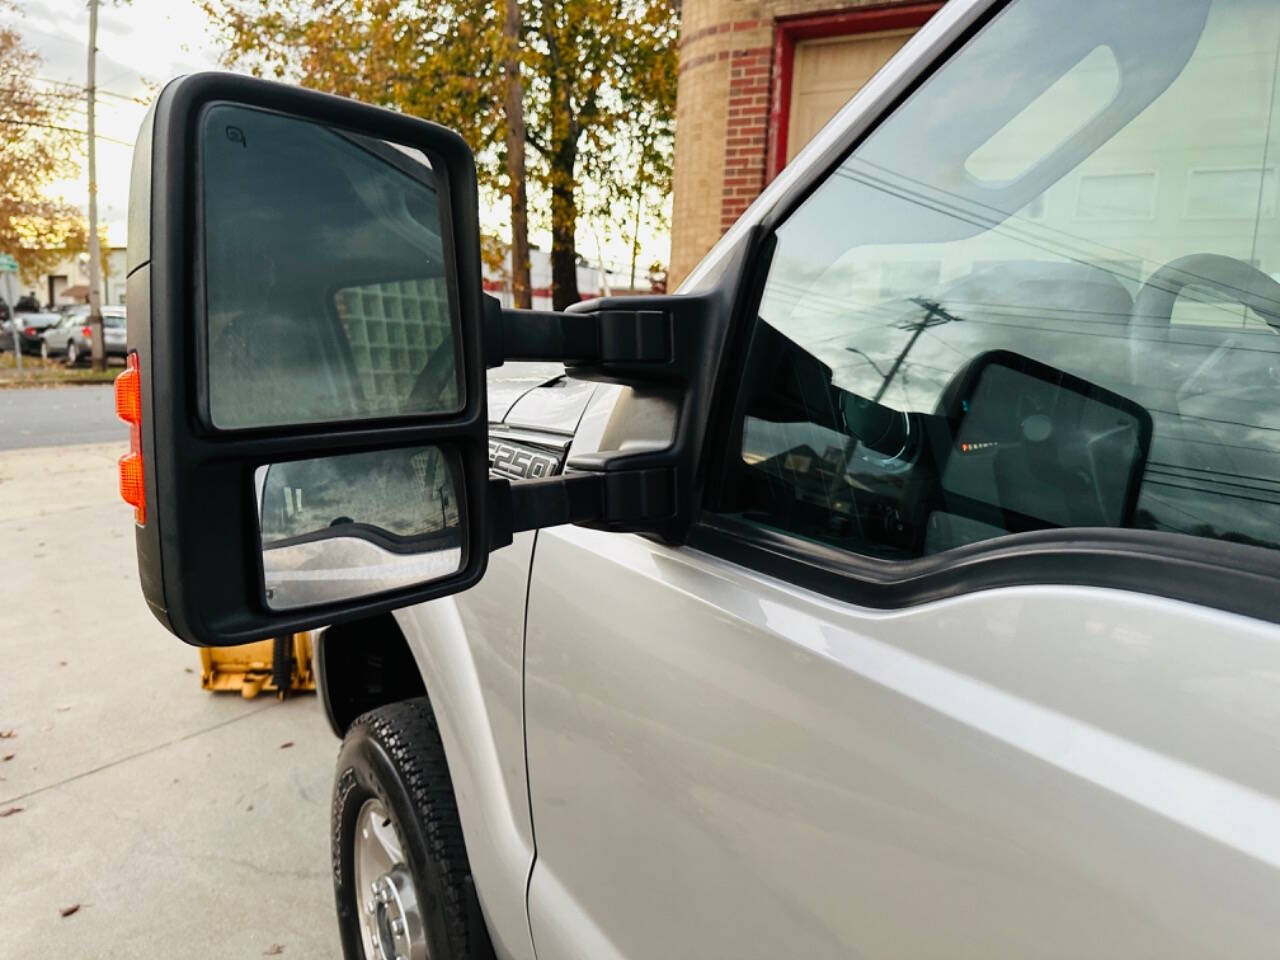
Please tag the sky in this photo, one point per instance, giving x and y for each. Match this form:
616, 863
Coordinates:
141, 45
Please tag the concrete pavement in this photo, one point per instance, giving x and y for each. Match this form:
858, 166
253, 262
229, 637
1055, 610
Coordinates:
48, 416
173, 817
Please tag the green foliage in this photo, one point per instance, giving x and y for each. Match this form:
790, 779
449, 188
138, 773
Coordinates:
37, 146
599, 82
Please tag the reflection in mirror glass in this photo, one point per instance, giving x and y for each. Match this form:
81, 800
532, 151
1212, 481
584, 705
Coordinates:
337, 528
328, 293
1075, 214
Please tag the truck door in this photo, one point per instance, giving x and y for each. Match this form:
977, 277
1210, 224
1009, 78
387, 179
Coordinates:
856, 715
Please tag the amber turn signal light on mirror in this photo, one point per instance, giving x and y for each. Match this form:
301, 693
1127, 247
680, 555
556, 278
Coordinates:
129, 409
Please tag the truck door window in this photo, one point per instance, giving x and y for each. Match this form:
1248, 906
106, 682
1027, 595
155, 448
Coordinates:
1125, 276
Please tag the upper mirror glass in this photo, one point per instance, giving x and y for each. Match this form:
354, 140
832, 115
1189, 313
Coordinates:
337, 528
327, 289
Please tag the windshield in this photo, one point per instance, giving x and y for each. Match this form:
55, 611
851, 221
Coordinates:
1104, 203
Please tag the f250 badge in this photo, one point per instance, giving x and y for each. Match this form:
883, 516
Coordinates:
520, 462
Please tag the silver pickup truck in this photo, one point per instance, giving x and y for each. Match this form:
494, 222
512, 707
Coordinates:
905, 585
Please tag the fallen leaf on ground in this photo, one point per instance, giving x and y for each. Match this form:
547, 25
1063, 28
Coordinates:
187, 670
249, 808
8, 734
10, 812
273, 951
8, 757
62, 709
286, 745
62, 663
68, 911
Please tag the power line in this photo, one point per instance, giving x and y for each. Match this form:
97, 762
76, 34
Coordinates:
60, 37
101, 92
1204, 490
986, 222
1172, 475
54, 126
1224, 473
125, 73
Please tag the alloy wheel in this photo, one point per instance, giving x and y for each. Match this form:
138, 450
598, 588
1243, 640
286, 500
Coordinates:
392, 926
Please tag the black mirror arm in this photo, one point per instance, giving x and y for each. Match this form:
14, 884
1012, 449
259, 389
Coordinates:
586, 338
623, 500
658, 346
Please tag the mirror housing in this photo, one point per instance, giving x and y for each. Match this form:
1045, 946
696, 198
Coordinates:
244, 358
199, 545
1033, 447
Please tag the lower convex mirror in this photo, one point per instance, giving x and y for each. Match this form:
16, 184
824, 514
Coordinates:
354, 525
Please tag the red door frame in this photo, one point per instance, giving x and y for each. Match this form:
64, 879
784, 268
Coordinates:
836, 23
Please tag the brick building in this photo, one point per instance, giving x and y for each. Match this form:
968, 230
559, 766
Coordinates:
758, 78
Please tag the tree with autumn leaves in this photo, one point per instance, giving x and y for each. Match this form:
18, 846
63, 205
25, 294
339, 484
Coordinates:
38, 145
573, 97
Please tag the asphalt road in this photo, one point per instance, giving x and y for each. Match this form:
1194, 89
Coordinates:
57, 416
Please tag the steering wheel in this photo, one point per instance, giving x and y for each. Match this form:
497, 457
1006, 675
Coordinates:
1152, 315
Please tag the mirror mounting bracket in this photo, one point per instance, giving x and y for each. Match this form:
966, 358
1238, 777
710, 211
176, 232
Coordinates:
619, 501
638, 475
587, 338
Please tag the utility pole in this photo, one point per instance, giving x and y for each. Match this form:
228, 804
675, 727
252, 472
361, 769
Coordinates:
934, 315
95, 254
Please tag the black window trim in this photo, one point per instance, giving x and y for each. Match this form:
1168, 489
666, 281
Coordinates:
1209, 573
1215, 574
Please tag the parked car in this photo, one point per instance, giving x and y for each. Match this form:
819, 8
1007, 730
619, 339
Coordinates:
27, 303
31, 328
72, 336
906, 585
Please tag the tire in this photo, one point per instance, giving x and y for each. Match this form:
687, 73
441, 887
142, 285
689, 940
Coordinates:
44, 351
392, 765
73, 353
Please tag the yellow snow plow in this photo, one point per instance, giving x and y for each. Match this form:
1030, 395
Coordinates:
281, 665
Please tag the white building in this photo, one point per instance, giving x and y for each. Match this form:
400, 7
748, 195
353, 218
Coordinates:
68, 282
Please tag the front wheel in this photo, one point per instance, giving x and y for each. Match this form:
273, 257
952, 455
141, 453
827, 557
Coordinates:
73, 354
401, 877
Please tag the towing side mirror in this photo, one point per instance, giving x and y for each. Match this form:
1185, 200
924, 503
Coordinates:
308, 343
304, 289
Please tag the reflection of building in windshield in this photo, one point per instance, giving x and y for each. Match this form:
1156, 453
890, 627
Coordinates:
392, 330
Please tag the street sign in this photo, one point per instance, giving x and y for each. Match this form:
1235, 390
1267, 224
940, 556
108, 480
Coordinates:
8, 264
